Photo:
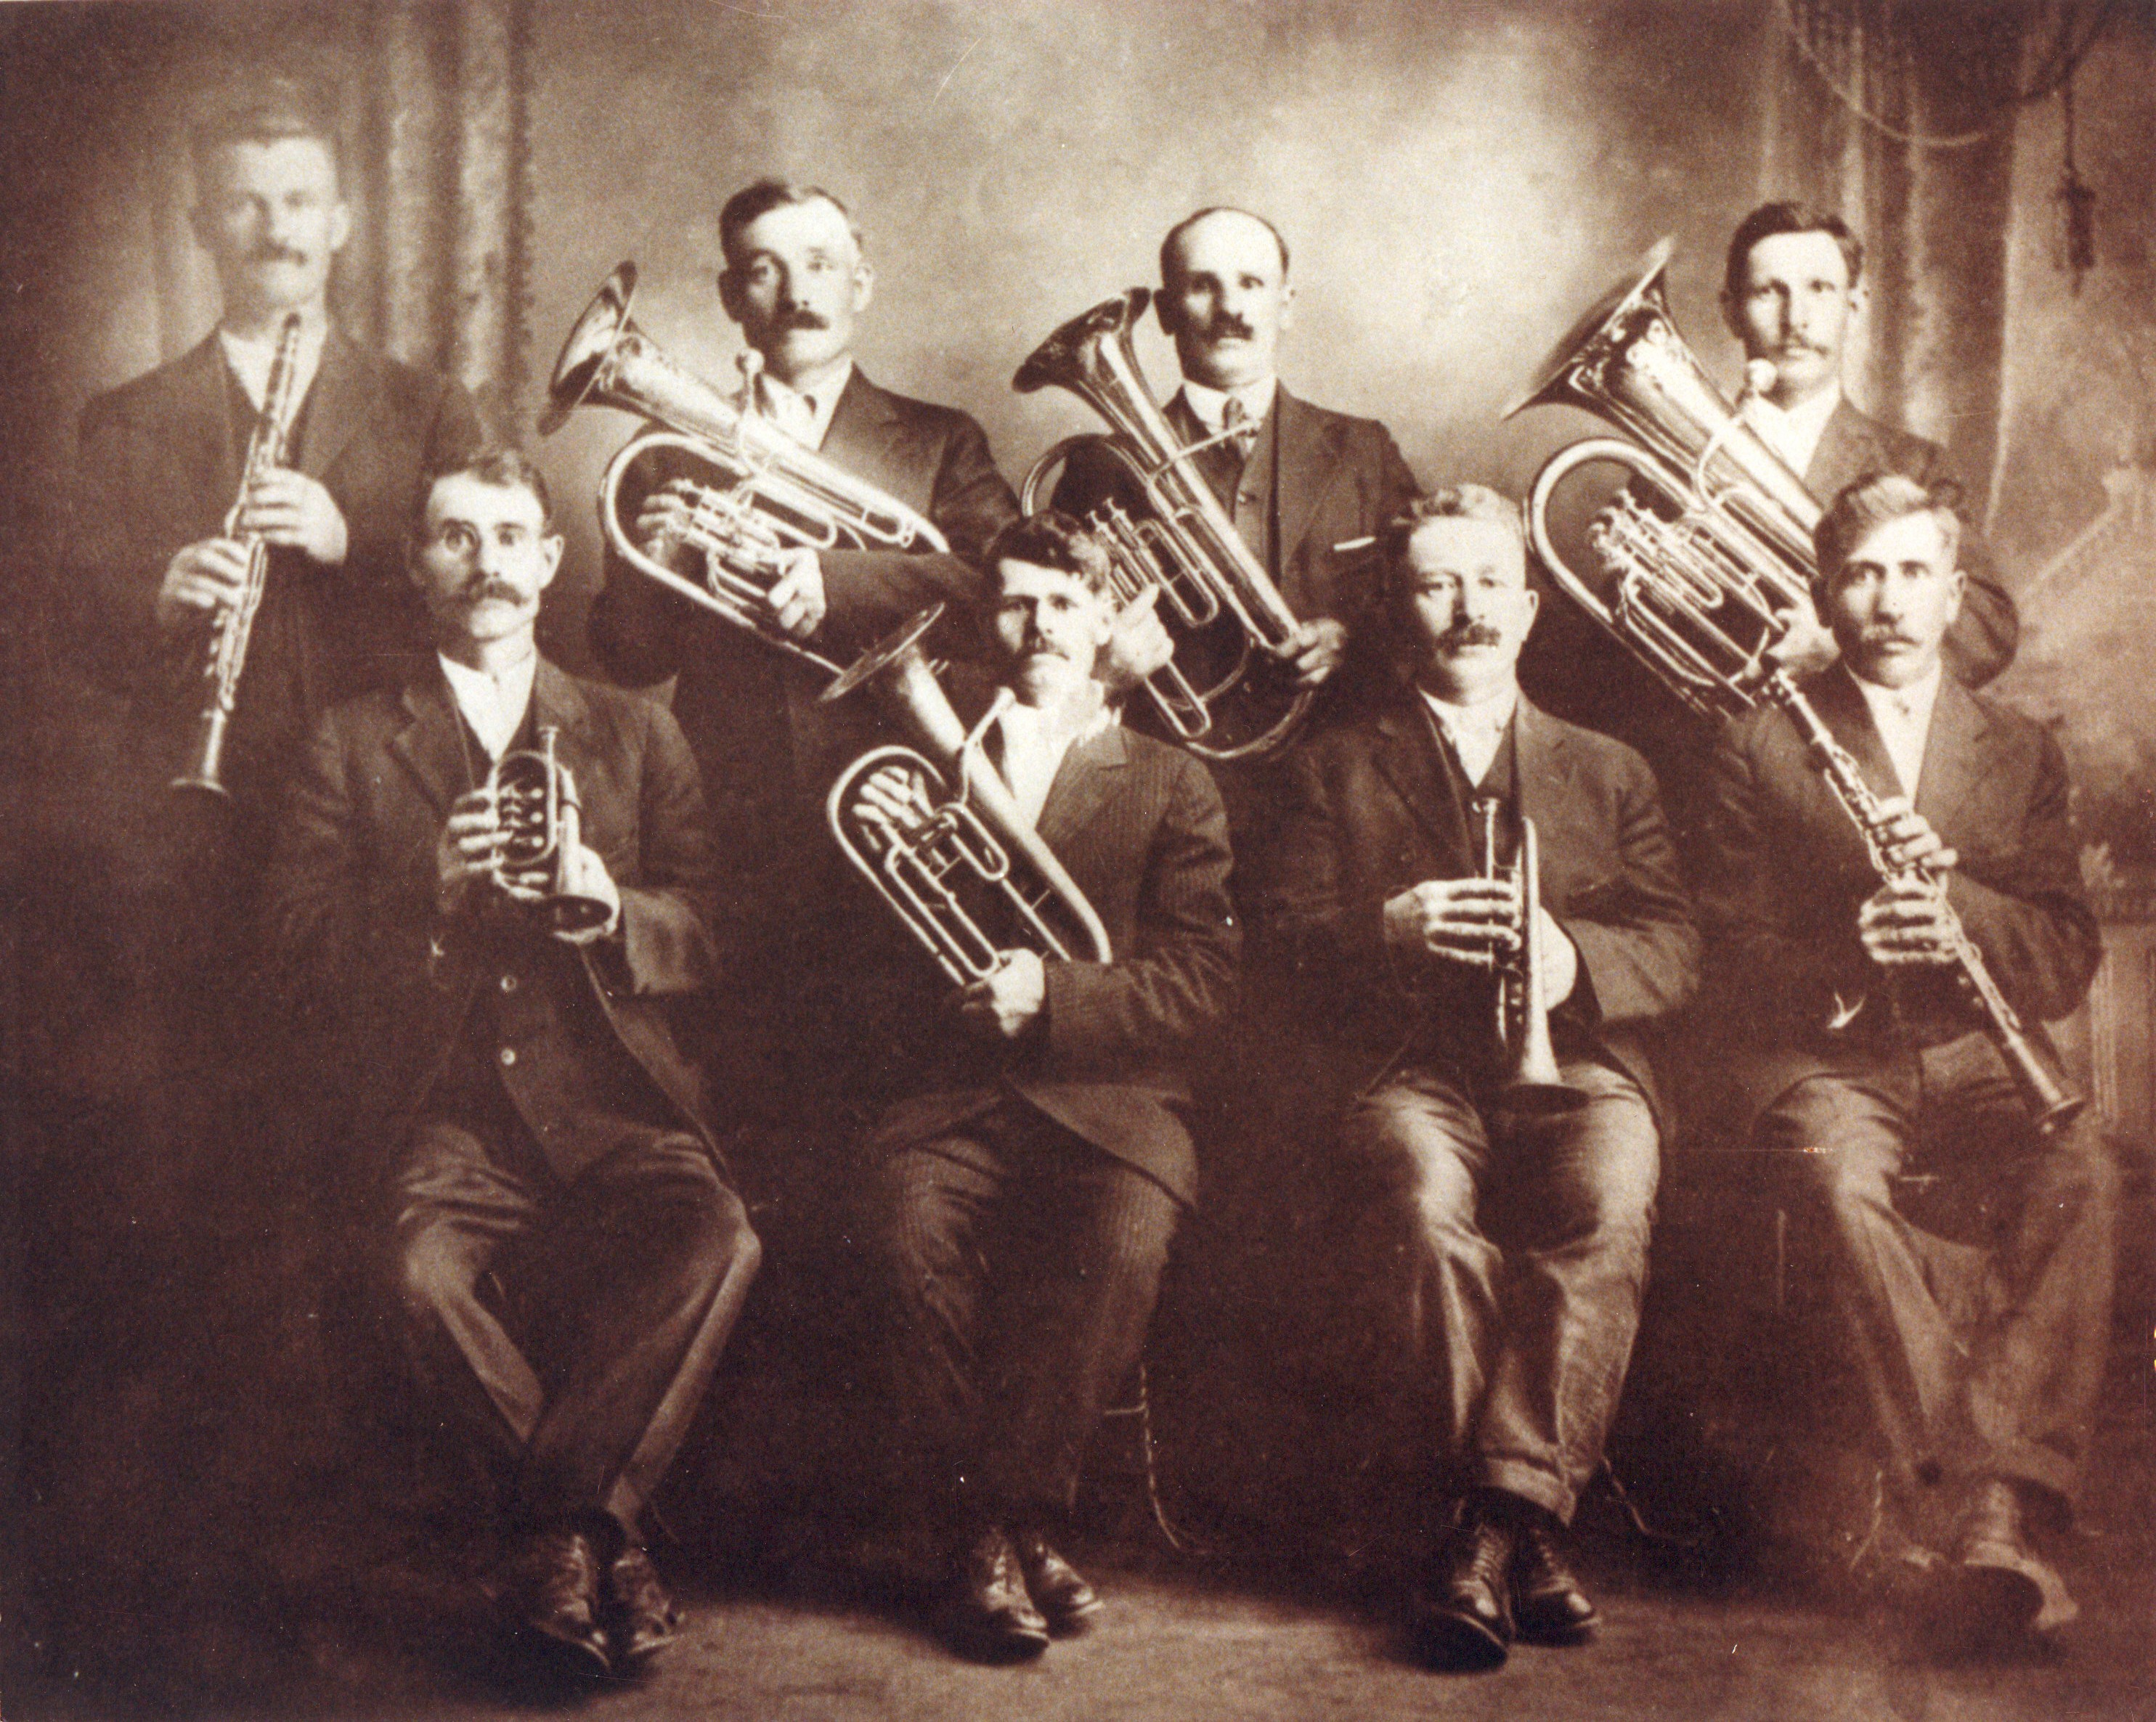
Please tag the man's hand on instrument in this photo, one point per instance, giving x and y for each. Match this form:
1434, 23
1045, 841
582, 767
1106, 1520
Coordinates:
900, 794
465, 856
1316, 649
1138, 646
1907, 923
796, 601
288, 507
1462, 920
201, 579
662, 523
1906, 839
1808, 647
584, 874
1011, 996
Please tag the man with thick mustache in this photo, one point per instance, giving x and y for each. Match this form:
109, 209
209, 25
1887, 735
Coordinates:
561, 1254
1511, 1244
1975, 1314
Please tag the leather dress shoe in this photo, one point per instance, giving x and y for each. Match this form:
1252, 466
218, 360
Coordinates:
1461, 1614
1997, 1591
1059, 1590
547, 1584
1549, 1607
990, 1617
641, 1619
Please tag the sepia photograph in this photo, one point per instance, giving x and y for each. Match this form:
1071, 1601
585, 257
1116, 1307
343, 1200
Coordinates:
898, 860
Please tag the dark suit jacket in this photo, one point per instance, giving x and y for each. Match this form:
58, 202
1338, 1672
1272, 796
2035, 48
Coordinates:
1982, 642
160, 468
1372, 812
1786, 871
765, 748
388, 985
1139, 826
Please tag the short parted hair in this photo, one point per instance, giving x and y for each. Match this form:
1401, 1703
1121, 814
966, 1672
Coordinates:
1454, 502
500, 464
1769, 219
1190, 221
1050, 538
1875, 500
266, 109
755, 201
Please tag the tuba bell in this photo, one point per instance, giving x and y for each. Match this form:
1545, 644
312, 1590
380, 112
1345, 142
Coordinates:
757, 492
1183, 542
1703, 588
536, 811
971, 874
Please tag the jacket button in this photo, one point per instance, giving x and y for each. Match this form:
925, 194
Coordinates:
508, 1056
509, 983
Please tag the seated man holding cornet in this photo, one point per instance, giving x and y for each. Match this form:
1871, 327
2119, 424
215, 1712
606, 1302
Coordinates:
488, 886
1484, 907
1019, 1201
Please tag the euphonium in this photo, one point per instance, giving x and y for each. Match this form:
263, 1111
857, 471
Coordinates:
765, 493
950, 877
234, 627
1186, 544
1702, 599
1533, 1086
535, 809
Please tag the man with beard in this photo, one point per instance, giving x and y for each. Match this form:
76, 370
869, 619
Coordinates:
1521, 1235
1019, 1202
564, 1258
1977, 1325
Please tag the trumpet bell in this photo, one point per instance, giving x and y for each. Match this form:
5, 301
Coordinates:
592, 338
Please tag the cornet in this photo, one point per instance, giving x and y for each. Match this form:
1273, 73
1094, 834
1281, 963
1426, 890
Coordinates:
1703, 599
535, 810
760, 494
1531, 1086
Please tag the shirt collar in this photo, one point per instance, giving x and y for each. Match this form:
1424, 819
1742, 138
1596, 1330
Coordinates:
494, 705
1487, 715
1799, 429
1914, 702
1208, 404
250, 358
777, 400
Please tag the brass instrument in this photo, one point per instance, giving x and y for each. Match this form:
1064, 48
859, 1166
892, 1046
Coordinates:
765, 494
1702, 599
227, 657
536, 811
1533, 1086
1186, 544
950, 878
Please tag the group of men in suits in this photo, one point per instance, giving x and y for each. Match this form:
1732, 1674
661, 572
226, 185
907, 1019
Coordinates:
562, 1244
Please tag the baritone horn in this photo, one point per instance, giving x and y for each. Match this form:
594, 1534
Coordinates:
535, 810
969, 876
1706, 561
1532, 1087
1183, 542
756, 493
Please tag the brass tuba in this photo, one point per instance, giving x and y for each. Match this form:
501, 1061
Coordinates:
1185, 543
952, 876
1701, 594
536, 811
763, 495
1532, 1087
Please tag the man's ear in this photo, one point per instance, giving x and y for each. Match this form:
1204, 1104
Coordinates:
1287, 306
864, 285
550, 552
340, 226
729, 294
1166, 307
1732, 317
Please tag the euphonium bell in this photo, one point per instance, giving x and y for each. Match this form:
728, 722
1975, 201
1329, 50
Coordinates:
535, 804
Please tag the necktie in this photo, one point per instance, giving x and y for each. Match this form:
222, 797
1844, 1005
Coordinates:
1242, 429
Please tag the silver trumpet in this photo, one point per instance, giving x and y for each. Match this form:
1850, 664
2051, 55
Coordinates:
1184, 543
1532, 1087
759, 493
1703, 598
971, 865
535, 809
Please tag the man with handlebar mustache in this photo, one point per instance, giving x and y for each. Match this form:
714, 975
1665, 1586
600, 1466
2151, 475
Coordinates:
1514, 1242
1019, 1202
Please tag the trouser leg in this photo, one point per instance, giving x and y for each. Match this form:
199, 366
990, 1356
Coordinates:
1076, 1299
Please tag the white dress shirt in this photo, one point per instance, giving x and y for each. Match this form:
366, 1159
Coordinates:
1793, 433
1475, 731
493, 706
1903, 718
249, 361
1210, 404
1034, 750
805, 416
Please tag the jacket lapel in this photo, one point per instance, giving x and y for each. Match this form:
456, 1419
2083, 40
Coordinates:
1407, 757
1082, 782
863, 428
432, 746
1846, 448
202, 391
1836, 696
345, 386
1308, 453
1952, 780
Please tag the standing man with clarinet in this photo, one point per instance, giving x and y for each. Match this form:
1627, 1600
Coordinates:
1872, 978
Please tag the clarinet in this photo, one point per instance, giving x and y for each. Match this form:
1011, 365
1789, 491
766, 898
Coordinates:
227, 656
2030, 1060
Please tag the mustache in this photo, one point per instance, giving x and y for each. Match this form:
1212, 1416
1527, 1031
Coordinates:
487, 589
1886, 634
270, 251
1470, 633
801, 317
1228, 326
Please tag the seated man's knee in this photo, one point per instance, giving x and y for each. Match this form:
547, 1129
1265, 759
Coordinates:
428, 1271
